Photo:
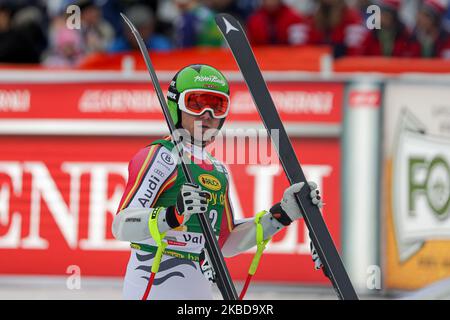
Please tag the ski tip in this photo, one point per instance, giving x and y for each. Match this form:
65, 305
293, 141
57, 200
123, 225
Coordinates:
227, 23
128, 22
219, 16
219, 19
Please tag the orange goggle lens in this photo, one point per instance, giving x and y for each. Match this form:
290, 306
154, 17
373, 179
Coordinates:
198, 101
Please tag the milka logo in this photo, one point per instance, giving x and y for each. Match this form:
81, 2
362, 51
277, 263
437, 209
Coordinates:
209, 79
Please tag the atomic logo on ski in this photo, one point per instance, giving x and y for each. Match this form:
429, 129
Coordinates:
229, 26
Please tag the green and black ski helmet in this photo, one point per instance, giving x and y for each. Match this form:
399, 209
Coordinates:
194, 76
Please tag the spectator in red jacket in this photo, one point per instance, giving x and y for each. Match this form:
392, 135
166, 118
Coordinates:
275, 23
430, 39
393, 38
336, 24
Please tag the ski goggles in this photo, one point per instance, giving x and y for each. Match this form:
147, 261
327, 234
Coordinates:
198, 101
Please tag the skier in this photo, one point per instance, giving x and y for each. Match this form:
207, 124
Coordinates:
158, 203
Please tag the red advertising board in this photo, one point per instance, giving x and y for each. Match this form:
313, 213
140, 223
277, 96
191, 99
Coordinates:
295, 101
58, 196
59, 193
364, 98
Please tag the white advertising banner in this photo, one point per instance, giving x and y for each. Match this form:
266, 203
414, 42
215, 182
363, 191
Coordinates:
417, 193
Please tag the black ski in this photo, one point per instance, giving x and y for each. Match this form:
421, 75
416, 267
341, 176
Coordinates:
320, 236
223, 279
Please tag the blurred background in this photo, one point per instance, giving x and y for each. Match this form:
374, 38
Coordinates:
361, 86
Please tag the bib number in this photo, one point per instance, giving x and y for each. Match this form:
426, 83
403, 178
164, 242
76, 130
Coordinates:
213, 217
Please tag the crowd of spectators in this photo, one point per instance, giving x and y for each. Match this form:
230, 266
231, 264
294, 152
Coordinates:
45, 31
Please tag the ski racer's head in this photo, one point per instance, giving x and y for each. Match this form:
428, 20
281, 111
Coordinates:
198, 101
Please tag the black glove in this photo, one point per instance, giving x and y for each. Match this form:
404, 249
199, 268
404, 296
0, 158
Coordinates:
190, 200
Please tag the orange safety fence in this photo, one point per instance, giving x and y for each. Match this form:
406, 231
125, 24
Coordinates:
391, 65
269, 58
306, 58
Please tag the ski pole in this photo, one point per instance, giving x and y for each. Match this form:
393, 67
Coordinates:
260, 246
158, 237
224, 282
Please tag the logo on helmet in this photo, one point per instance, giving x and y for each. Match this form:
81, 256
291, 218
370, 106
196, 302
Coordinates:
210, 78
172, 95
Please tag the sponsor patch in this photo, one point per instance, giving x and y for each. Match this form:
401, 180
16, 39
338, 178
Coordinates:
135, 246
176, 243
210, 182
167, 158
154, 178
209, 86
